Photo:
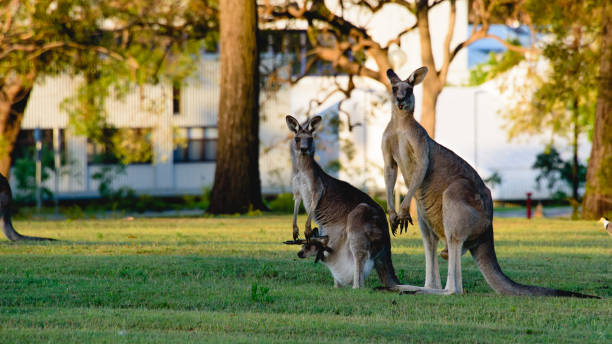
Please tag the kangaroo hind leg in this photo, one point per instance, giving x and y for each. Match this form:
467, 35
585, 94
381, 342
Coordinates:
430, 242
462, 221
358, 241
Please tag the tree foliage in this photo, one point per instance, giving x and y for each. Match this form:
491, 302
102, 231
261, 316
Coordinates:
561, 100
553, 169
337, 36
110, 45
496, 64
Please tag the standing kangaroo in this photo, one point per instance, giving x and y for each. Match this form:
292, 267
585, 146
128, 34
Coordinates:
453, 202
355, 226
5, 214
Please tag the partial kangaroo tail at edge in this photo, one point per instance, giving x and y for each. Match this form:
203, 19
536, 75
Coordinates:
6, 198
13, 235
484, 255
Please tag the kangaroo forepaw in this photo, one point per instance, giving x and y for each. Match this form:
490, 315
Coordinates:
296, 233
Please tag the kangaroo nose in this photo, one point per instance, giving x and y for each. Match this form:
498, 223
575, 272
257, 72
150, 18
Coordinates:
399, 99
300, 254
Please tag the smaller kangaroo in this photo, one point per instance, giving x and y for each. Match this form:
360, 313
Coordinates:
5, 214
356, 226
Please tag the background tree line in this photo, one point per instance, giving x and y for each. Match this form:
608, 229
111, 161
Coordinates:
116, 45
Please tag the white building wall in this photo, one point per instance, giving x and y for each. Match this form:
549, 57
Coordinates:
468, 122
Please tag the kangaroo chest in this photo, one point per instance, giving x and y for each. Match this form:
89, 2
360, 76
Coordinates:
404, 155
303, 185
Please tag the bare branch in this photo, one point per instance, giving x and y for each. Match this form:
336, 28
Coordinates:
447, 41
399, 36
10, 13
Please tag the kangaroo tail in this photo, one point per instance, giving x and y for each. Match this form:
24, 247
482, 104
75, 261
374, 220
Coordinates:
5, 215
13, 235
484, 255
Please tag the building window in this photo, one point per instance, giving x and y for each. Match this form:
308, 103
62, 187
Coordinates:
102, 153
289, 48
123, 145
176, 98
196, 144
25, 146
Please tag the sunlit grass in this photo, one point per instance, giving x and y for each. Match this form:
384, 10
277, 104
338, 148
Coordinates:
231, 279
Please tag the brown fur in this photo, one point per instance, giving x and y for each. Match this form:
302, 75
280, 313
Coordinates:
453, 202
355, 224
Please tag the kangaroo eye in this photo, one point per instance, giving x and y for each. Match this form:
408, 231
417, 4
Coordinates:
394, 89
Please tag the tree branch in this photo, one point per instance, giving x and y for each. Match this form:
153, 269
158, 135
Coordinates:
447, 41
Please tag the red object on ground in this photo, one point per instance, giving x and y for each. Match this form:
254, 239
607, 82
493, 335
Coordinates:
528, 204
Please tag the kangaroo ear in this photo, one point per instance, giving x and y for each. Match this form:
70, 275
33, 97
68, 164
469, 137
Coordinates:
417, 76
314, 123
292, 123
393, 78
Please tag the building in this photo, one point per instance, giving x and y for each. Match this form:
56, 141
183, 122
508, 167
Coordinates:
468, 122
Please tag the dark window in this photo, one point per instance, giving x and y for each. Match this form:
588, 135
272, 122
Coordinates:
196, 144
25, 146
176, 98
135, 147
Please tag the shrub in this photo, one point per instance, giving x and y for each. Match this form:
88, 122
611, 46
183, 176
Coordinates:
283, 203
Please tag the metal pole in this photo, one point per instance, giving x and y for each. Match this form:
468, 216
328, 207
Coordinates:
528, 205
58, 162
38, 139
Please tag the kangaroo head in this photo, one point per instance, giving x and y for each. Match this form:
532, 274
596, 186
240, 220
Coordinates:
303, 139
403, 97
314, 247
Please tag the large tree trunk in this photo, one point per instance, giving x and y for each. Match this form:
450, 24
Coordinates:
13, 100
431, 84
237, 186
598, 197
575, 180
428, 110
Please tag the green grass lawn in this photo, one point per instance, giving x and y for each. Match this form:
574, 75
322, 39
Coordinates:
231, 280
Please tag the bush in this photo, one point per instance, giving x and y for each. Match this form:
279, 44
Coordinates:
74, 212
283, 203
205, 201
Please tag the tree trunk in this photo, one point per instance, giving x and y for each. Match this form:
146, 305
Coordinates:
431, 84
13, 100
428, 110
575, 181
598, 198
237, 186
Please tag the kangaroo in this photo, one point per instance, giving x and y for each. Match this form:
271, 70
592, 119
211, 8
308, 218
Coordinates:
5, 214
453, 203
356, 226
